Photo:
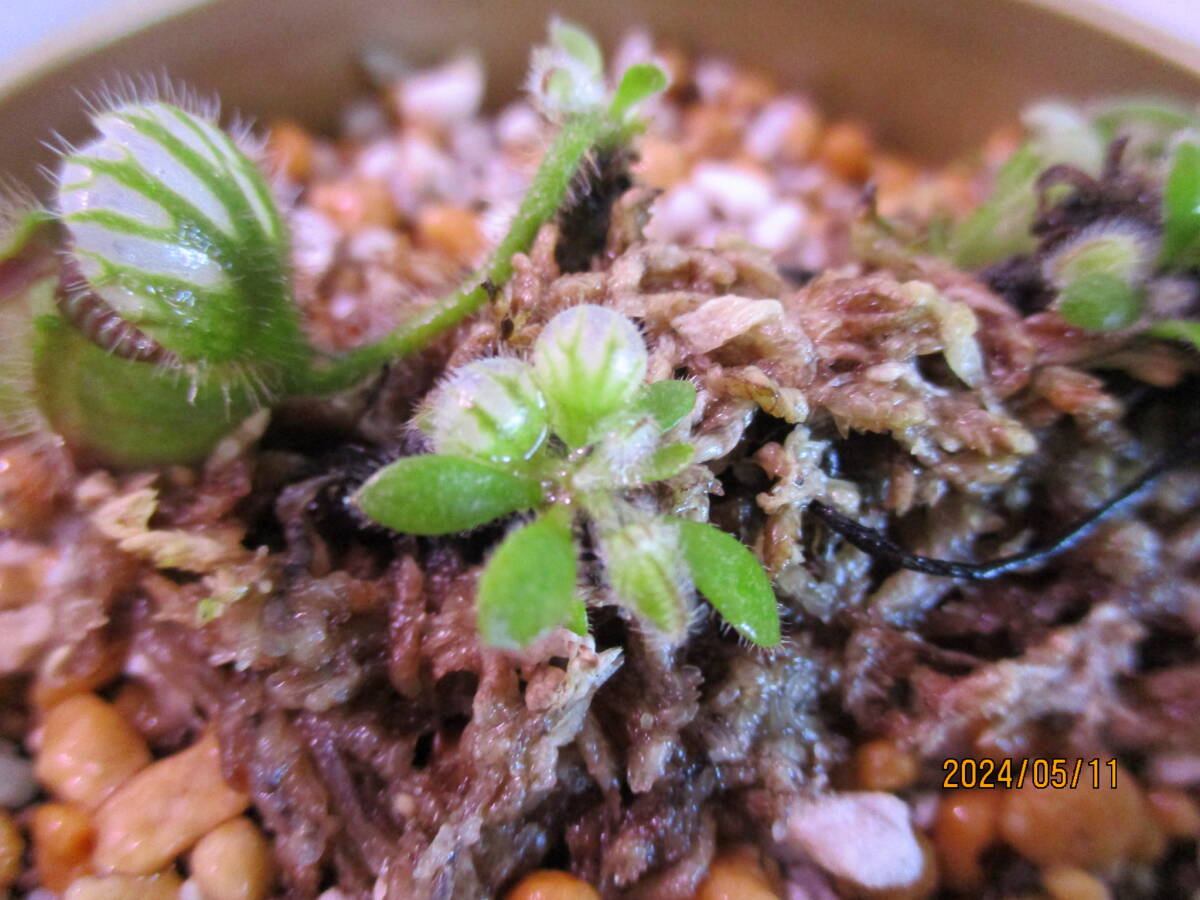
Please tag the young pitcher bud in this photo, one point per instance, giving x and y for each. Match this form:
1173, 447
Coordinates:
489, 409
1123, 248
567, 74
589, 362
176, 230
647, 572
1099, 273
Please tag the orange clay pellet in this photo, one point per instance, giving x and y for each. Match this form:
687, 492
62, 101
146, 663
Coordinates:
967, 823
1069, 883
163, 886
290, 150
895, 179
354, 203
662, 163
12, 846
736, 875
1088, 828
233, 862
881, 765
750, 90
164, 809
62, 838
846, 150
552, 884
802, 135
710, 132
1175, 813
451, 230
88, 750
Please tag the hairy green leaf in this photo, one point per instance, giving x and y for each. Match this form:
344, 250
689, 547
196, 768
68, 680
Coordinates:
668, 461
1000, 227
1167, 114
577, 620
1099, 301
729, 575
648, 574
1181, 209
667, 401
1177, 330
579, 44
641, 81
528, 586
1148, 123
439, 494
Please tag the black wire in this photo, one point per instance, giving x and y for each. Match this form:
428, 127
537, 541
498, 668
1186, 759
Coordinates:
880, 546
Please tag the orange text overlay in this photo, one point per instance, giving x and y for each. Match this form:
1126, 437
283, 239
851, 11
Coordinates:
1040, 772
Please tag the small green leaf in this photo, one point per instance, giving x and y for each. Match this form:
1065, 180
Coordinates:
1162, 112
667, 401
727, 573
1177, 330
528, 586
640, 82
1099, 301
648, 575
668, 461
577, 621
1181, 209
1149, 124
437, 494
1000, 227
579, 44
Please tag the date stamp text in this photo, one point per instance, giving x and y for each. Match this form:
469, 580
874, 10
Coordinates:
1059, 773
